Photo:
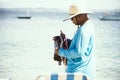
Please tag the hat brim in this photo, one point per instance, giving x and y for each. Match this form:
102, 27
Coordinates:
71, 16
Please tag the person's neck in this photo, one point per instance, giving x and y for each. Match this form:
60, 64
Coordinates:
84, 21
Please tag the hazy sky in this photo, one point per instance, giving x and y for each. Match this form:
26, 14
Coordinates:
62, 4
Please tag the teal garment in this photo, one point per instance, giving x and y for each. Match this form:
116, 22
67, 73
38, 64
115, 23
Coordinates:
80, 55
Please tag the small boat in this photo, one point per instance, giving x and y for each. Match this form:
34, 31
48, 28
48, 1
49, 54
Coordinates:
25, 17
110, 17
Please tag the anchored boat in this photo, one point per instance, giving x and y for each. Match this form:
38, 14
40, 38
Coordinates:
111, 16
25, 17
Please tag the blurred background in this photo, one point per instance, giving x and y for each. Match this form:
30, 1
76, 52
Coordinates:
27, 28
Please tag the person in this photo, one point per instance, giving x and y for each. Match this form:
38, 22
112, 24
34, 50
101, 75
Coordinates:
80, 55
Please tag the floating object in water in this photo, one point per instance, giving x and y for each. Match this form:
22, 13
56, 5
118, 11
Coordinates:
24, 17
110, 16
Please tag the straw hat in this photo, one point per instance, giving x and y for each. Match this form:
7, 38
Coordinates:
74, 11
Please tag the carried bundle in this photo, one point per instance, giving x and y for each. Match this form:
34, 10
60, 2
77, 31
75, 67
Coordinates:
60, 41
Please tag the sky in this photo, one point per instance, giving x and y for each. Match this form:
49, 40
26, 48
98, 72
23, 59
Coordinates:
62, 4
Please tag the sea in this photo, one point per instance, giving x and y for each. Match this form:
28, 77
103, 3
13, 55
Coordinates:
27, 47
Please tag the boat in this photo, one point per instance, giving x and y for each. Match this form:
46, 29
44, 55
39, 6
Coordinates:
111, 17
25, 17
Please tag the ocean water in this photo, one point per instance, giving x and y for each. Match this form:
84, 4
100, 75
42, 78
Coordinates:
26, 46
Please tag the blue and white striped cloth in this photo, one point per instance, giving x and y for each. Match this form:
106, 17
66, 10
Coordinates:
63, 76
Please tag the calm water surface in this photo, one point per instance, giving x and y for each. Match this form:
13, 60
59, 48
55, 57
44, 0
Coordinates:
26, 47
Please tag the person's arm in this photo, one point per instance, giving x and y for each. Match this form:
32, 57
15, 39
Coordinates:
80, 48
